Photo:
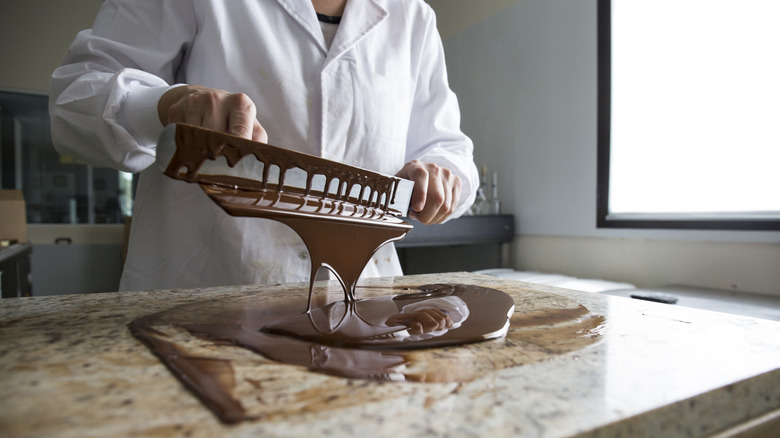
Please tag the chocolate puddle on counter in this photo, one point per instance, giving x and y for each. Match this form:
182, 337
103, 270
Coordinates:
386, 337
212, 346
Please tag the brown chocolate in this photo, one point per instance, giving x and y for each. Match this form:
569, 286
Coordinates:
195, 145
341, 233
342, 244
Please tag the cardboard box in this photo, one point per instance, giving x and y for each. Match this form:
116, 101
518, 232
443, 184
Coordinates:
13, 216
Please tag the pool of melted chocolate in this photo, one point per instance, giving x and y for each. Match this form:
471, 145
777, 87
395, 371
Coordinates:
362, 339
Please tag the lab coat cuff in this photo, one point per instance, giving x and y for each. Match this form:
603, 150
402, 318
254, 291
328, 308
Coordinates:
139, 114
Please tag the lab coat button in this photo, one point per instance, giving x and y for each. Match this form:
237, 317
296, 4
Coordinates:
303, 255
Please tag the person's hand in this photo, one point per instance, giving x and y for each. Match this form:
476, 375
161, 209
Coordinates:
233, 113
422, 321
436, 191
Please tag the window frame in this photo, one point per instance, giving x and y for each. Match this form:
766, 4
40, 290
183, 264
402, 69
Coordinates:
692, 221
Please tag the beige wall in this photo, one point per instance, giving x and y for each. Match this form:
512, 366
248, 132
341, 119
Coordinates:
34, 36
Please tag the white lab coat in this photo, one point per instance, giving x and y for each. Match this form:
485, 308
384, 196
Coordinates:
377, 98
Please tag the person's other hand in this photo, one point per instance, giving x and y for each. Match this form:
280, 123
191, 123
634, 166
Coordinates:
436, 191
218, 110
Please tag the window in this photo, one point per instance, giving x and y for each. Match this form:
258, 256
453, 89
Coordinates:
689, 120
56, 188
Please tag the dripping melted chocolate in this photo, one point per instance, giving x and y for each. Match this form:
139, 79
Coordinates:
342, 244
340, 232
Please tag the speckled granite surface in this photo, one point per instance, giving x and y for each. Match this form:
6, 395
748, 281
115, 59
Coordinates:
70, 367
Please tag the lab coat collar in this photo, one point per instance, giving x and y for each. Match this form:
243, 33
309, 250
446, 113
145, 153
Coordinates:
360, 17
303, 13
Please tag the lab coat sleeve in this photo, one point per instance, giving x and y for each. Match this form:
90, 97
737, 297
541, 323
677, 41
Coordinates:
103, 99
434, 132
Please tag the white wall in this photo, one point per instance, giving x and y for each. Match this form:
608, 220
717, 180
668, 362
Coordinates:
526, 80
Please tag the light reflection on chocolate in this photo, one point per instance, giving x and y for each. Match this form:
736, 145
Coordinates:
472, 314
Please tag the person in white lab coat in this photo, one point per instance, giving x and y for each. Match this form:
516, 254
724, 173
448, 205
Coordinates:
367, 89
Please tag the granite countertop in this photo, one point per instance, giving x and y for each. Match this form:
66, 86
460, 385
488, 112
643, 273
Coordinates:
69, 366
